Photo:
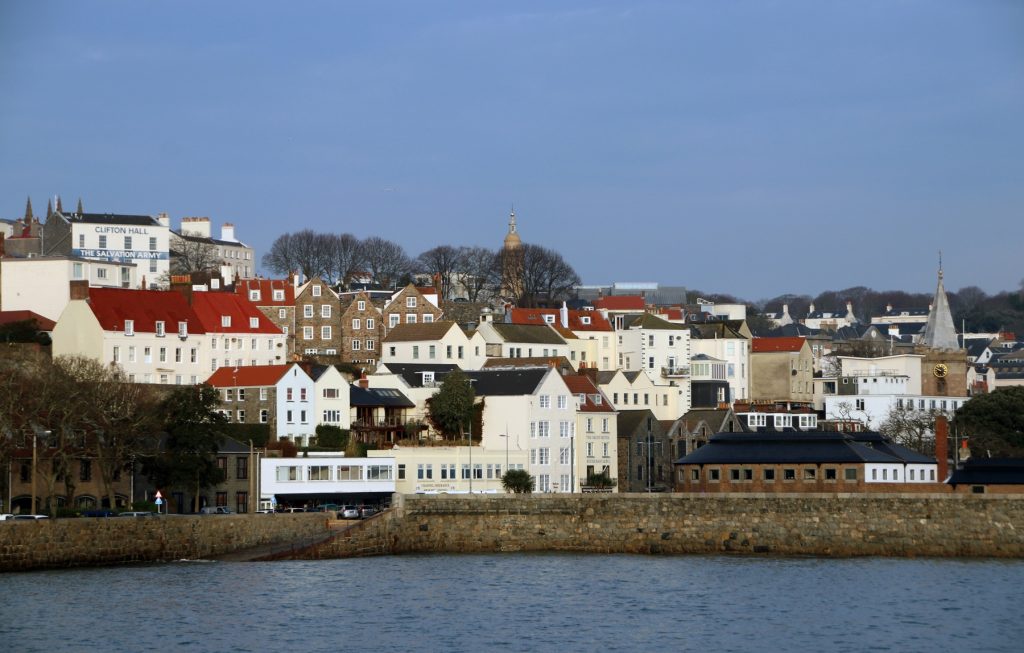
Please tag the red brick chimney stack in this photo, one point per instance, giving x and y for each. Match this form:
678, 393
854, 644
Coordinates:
78, 289
942, 446
364, 382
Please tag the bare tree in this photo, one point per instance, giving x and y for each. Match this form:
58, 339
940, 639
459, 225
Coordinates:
190, 254
914, 429
346, 258
543, 275
442, 262
304, 251
386, 260
477, 271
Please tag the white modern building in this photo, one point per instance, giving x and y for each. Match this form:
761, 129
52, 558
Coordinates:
323, 478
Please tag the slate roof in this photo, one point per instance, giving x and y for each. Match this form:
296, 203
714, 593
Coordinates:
774, 447
412, 373
540, 334
714, 417
765, 345
712, 330
520, 381
111, 219
793, 330
650, 321
387, 397
989, 471
208, 239
248, 376
559, 362
630, 420
419, 332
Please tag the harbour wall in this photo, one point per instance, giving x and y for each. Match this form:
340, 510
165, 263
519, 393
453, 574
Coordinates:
799, 524
946, 525
52, 543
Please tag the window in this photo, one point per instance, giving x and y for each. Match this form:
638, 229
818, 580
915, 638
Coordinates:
117, 354
415, 351
361, 305
302, 394
545, 401
830, 473
394, 319
810, 473
282, 313
264, 416
147, 355
370, 345
129, 327
428, 319
319, 473
768, 475
431, 351
325, 333
128, 242
307, 310
316, 291
543, 456
307, 333
84, 470
152, 265
590, 449
370, 323
410, 302
563, 402
356, 323
859, 404
163, 354
713, 475
424, 471
325, 310
103, 242
225, 320
332, 416
287, 473
789, 474
410, 318
543, 429
152, 244
563, 429
563, 455
254, 322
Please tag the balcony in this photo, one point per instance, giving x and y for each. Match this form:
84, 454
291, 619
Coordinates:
676, 372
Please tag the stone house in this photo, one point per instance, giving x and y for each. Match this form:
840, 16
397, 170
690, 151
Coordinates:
282, 396
782, 371
317, 320
411, 305
362, 331
644, 451
275, 298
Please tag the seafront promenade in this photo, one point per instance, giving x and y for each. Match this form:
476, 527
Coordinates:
832, 525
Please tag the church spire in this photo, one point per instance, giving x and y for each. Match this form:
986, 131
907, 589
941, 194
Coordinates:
28, 211
60, 209
80, 211
512, 240
49, 209
939, 331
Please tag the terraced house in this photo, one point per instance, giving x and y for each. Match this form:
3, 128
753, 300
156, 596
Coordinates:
411, 305
362, 331
317, 320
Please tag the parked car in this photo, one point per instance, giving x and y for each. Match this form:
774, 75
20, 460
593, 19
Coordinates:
291, 510
29, 517
264, 511
137, 513
6, 516
216, 510
349, 512
99, 512
367, 511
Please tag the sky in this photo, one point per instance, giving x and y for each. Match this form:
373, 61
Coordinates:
754, 148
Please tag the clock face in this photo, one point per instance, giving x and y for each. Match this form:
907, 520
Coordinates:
940, 370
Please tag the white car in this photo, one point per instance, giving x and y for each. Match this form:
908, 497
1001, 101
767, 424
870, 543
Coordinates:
5, 516
29, 517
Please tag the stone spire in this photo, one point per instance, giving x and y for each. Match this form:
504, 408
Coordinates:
939, 332
80, 211
512, 240
28, 211
60, 209
49, 209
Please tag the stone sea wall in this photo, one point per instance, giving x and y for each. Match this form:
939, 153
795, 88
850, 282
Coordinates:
51, 543
798, 524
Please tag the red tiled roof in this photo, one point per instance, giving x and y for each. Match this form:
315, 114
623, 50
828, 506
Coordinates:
112, 306
536, 316
671, 313
267, 288
620, 303
209, 307
248, 376
580, 384
762, 345
42, 323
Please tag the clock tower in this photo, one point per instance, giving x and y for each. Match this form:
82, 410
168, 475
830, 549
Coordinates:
944, 362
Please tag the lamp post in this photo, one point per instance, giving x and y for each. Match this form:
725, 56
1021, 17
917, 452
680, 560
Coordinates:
471, 458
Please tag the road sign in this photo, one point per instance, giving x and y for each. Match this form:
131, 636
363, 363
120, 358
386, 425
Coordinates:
273, 501
159, 496
159, 501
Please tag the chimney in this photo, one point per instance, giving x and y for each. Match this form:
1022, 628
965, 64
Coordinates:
810, 309
78, 289
364, 383
888, 308
196, 227
163, 219
182, 284
590, 373
227, 232
942, 446
564, 315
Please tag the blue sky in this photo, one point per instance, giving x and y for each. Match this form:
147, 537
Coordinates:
754, 148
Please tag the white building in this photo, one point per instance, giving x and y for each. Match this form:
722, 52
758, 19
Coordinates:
873, 409
42, 284
138, 239
441, 342
451, 470
323, 478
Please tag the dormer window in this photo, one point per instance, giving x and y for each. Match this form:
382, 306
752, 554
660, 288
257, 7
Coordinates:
254, 322
582, 399
182, 329
254, 295
597, 399
585, 319
129, 327
278, 295
550, 319
160, 329
758, 420
225, 320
